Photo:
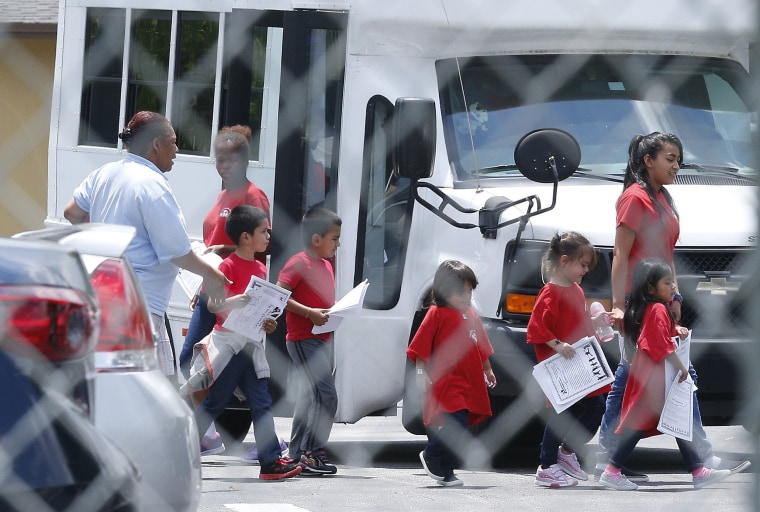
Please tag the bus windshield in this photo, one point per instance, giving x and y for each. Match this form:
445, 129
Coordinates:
489, 103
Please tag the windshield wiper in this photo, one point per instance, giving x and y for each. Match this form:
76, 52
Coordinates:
709, 167
581, 172
496, 168
586, 173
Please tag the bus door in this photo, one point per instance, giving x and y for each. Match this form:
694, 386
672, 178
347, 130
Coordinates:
308, 135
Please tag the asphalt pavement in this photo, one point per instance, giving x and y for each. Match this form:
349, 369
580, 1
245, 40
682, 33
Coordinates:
379, 470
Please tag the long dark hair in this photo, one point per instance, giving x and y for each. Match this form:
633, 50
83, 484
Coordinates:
646, 274
450, 279
636, 170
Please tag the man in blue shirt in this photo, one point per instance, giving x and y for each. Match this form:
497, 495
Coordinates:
135, 192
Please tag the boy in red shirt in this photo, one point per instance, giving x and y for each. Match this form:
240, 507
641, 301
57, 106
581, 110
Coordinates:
310, 278
240, 361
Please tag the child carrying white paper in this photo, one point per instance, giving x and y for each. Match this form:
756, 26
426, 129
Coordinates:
212, 354
561, 319
650, 328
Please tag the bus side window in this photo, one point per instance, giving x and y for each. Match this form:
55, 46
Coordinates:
384, 214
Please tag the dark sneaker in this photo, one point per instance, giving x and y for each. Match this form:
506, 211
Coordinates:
633, 476
432, 470
312, 464
321, 454
212, 445
713, 476
279, 469
451, 481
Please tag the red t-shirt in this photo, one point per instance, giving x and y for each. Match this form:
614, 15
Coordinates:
213, 224
239, 271
560, 313
454, 345
656, 236
644, 394
312, 284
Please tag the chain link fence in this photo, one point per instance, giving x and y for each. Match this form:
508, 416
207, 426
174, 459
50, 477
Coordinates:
478, 90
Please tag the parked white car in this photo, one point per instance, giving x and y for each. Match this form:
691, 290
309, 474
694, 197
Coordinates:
135, 404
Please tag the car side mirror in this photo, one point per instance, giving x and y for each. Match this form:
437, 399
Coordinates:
414, 137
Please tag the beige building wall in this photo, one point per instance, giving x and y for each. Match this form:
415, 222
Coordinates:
26, 84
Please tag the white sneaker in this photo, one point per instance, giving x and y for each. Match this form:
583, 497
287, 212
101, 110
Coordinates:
618, 482
734, 466
714, 476
554, 477
633, 476
451, 481
568, 462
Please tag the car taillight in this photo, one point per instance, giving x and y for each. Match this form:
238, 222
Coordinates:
57, 324
126, 339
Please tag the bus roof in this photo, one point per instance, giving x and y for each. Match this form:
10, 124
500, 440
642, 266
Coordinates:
448, 28
453, 28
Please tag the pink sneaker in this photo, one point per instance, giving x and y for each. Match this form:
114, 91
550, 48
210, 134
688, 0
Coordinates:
568, 462
554, 477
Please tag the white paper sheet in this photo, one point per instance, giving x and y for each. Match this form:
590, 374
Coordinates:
565, 381
267, 301
677, 417
190, 282
349, 304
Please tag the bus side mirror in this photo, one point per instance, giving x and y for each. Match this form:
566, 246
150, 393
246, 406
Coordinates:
414, 138
547, 155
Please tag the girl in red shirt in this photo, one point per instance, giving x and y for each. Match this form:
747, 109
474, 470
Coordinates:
231, 149
451, 350
560, 317
649, 321
647, 227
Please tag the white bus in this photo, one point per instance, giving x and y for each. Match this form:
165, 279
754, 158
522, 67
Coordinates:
323, 85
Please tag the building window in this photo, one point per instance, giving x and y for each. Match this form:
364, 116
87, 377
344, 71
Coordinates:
150, 38
172, 69
195, 74
103, 63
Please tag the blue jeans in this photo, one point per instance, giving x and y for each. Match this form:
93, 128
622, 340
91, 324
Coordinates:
317, 398
239, 372
442, 441
629, 438
609, 440
201, 324
572, 428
